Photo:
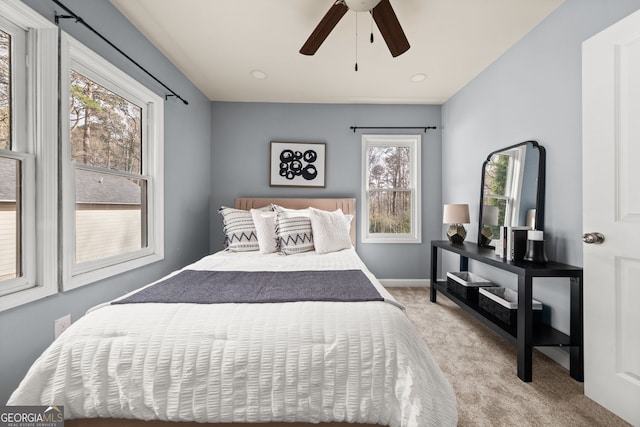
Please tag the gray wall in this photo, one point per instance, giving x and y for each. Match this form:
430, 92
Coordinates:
240, 161
532, 92
26, 330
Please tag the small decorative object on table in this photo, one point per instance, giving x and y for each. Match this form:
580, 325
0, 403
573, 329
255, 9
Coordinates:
456, 215
535, 247
512, 245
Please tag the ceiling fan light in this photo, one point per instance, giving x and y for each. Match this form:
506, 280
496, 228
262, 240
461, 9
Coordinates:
258, 74
417, 78
361, 5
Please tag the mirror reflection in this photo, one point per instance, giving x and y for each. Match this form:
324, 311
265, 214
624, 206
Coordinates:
512, 191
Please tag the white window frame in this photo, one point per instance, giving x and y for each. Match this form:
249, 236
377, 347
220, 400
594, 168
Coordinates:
413, 142
27, 278
35, 111
76, 56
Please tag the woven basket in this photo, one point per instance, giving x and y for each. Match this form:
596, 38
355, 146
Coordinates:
502, 303
466, 284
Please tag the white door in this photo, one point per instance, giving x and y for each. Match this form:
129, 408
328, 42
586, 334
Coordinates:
611, 195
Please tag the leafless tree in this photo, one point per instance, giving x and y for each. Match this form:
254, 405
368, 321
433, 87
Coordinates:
5, 91
388, 181
105, 128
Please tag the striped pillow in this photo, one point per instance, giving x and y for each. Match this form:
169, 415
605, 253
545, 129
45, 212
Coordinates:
239, 230
293, 229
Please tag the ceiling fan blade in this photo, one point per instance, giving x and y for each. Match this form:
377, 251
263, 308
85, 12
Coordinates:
328, 22
390, 28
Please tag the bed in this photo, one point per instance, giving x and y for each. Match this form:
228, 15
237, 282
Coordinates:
297, 360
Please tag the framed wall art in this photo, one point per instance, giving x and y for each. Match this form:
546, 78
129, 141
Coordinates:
298, 164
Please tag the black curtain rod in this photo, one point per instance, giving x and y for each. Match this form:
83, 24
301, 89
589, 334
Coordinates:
355, 128
83, 22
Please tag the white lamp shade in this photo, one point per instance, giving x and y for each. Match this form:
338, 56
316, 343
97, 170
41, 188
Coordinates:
455, 214
489, 215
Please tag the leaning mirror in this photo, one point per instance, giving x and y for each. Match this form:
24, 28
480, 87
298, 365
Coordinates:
512, 190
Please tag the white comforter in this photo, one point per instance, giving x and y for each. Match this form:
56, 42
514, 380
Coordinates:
302, 361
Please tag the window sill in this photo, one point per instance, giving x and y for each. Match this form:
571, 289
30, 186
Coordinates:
409, 240
88, 277
25, 296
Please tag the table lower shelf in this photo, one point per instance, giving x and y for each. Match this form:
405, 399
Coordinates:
543, 334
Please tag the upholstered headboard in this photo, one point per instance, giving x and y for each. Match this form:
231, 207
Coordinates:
348, 206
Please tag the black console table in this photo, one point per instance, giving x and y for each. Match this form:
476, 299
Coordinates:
525, 335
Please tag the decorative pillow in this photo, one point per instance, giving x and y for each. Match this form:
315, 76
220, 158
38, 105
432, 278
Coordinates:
239, 230
293, 229
330, 230
348, 218
265, 223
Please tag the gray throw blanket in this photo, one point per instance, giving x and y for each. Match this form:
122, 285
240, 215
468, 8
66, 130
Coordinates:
211, 287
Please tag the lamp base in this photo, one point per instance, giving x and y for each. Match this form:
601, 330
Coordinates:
456, 233
486, 236
535, 252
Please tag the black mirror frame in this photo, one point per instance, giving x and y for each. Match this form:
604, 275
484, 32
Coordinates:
539, 192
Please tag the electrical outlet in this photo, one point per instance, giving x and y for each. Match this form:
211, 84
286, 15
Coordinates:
60, 325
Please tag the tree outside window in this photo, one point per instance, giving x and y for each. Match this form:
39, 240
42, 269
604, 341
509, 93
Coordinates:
497, 187
389, 190
105, 128
5, 91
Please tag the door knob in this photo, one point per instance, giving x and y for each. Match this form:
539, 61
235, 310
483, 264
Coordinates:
593, 238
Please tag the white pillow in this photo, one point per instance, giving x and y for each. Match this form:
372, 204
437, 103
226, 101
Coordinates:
293, 229
348, 218
330, 230
265, 222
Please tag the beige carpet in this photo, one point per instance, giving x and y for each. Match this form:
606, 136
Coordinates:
481, 367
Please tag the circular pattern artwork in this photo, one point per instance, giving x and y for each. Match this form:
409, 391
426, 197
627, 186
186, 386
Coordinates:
297, 164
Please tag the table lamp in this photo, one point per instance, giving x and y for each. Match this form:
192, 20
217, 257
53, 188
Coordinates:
489, 217
455, 215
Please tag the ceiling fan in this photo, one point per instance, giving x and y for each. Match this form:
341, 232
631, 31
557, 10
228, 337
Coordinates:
383, 15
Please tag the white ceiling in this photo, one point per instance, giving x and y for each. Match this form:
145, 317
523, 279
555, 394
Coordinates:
218, 43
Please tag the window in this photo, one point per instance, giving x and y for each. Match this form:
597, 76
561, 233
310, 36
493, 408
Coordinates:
12, 46
28, 155
503, 185
391, 189
111, 167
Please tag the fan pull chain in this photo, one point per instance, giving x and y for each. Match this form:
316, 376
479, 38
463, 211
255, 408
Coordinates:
356, 67
371, 22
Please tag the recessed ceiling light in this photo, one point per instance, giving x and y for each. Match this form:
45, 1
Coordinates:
258, 74
417, 78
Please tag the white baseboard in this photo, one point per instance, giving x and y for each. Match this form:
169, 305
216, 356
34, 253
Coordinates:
402, 283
